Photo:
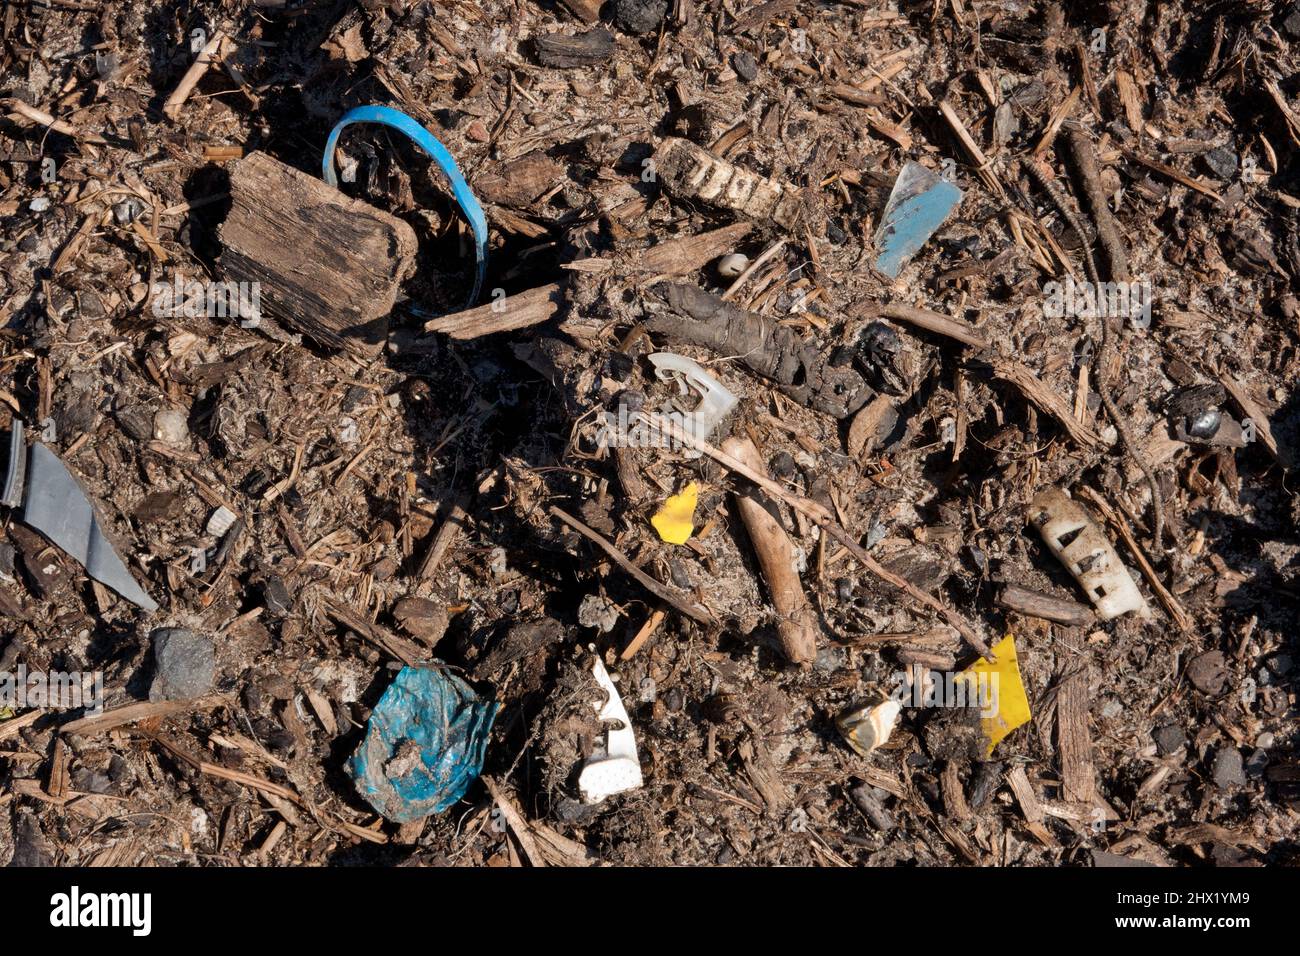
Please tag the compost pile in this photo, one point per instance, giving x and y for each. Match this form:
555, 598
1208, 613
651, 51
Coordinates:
483, 500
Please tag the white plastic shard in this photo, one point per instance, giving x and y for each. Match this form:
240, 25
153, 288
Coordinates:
716, 400
59, 508
1086, 553
617, 768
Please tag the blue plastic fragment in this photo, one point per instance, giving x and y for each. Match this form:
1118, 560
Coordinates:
918, 204
464, 196
424, 744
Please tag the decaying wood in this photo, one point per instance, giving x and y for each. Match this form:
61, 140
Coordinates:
1032, 387
1074, 740
446, 536
328, 266
936, 322
802, 368
1036, 604
133, 713
1257, 417
1029, 806
796, 622
562, 51
1116, 252
207, 56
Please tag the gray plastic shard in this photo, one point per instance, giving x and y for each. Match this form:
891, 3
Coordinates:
60, 509
16, 469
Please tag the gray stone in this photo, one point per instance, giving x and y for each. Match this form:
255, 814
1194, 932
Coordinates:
1228, 769
1169, 739
185, 664
1222, 162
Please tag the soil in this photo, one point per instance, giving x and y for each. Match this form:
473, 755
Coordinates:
342, 469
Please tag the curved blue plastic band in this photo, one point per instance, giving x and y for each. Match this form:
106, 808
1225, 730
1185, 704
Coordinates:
422, 138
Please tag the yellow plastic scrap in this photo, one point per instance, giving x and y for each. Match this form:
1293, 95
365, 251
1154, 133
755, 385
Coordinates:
674, 518
1002, 677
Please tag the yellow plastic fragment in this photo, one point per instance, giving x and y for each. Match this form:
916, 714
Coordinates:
674, 518
1002, 677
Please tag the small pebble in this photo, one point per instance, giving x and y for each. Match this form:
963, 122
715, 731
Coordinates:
1228, 769
1265, 740
1257, 763
171, 426
1292, 22
39, 204
1208, 672
732, 265
184, 664
745, 65
1221, 162
1169, 739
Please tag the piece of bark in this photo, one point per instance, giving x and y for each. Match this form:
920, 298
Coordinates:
1032, 387
1035, 604
520, 182
584, 49
1078, 776
935, 322
329, 266
1029, 806
520, 311
796, 623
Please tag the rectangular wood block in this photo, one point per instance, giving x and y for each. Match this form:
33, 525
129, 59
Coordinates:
329, 266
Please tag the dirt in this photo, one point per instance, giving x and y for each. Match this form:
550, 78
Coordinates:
342, 469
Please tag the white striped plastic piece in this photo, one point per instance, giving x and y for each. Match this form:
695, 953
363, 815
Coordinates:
1087, 554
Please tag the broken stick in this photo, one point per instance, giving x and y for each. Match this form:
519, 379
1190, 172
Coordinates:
796, 625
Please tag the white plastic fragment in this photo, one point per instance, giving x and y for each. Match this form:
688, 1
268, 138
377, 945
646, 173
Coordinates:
616, 768
221, 521
1087, 554
716, 401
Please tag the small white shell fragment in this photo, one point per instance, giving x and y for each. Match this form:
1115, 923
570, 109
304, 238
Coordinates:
171, 426
868, 728
1087, 554
732, 265
617, 769
220, 522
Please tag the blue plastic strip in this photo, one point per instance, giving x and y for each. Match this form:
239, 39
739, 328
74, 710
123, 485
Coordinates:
422, 138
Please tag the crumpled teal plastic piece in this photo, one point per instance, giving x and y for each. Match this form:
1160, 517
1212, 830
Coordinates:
424, 744
918, 204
